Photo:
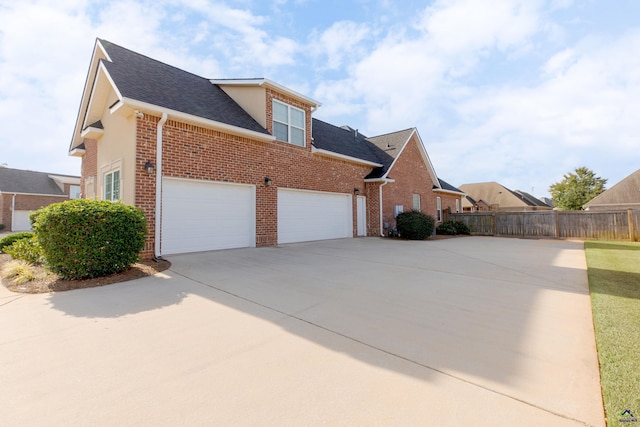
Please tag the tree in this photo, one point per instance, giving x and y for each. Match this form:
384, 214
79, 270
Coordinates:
576, 189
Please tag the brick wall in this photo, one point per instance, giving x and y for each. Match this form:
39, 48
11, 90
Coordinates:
449, 201
372, 191
5, 211
194, 152
145, 191
31, 203
411, 177
89, 164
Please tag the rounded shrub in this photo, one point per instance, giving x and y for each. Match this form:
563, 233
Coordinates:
12, 238
414, 225
89, 238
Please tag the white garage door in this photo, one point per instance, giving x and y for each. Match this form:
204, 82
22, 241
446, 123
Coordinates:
312, 215
204, 216
21, 221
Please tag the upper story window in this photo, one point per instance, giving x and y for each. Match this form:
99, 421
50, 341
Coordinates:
74, 192
438, 209
112, 186
288, 123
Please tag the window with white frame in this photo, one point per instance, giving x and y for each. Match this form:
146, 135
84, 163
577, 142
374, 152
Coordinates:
288, 123
112, 186
438, 209
74, 192
397, 209
457, 205
416, 202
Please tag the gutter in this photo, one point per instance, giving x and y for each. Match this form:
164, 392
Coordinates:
35, 194
158, 219
13, 209
234, 130
381, 216
455, 193
384, 181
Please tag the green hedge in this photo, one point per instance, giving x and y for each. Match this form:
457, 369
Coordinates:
414, 225
12, 238
89, 238
453, 228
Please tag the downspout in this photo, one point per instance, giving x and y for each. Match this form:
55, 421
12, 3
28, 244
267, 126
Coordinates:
381, 216
13, 210
158, 224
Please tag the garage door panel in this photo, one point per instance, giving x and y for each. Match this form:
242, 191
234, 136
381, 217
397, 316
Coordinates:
307, 216
203, 216
21, 221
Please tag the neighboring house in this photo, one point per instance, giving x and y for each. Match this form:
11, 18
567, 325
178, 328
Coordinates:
24, 191
469, 204
547, 201
624, 195
499, 198
218, 164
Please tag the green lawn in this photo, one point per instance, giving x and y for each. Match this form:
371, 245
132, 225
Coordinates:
614, 282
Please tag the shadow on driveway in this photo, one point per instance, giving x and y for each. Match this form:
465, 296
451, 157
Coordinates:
507, 315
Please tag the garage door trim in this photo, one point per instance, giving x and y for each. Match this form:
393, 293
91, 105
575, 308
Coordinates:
246, 218
301, 226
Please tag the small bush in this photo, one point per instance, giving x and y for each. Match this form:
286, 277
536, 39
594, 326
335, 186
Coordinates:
1, 227
26, 249
11, 238
414, 225
453, 228
89, 238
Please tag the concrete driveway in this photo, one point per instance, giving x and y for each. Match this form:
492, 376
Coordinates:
468, 331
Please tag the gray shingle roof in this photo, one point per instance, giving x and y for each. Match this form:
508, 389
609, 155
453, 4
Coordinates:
392, 143
446, 186
144, 79
24, 181
531, 200
348, 142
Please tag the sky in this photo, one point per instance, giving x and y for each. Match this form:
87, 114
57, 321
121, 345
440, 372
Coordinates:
518, 92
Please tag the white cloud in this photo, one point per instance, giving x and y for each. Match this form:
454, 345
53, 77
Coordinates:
339, 43
581, 113
465, 26
407, 73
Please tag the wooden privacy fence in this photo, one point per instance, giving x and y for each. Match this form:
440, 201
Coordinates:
603, 225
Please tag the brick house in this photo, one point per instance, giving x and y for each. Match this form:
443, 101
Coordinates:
24, 191
232, 163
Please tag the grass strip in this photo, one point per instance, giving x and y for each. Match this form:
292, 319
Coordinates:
614, 283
